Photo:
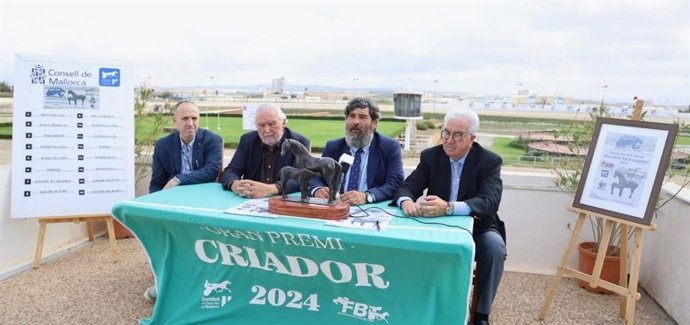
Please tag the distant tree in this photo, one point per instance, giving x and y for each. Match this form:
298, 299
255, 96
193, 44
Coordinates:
383, 101
5, 87
165, 95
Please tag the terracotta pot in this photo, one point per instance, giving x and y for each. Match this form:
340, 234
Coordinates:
120, 230
609, 272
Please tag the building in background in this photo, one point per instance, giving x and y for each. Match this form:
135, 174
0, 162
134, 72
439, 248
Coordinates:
279, 85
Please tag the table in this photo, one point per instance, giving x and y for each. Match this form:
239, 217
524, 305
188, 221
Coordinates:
212, 267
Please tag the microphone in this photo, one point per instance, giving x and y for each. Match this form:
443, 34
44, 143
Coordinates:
346, 161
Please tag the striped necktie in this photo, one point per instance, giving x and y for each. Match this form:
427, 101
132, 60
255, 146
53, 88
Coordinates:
355, 170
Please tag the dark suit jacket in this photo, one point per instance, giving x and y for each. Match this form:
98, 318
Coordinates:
480, 186
384, 167
207, 157
248, 158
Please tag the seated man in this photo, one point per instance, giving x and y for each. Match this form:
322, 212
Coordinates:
462, 179
377, 168
186, 156
254, 170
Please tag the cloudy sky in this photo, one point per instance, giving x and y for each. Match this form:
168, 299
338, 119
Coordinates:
572, 48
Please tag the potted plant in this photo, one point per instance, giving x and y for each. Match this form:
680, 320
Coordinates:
567, 170
148, 124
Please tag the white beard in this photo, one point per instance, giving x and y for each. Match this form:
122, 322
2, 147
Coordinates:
358, 140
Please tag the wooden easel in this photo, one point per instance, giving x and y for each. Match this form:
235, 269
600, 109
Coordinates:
43, 222
627, 291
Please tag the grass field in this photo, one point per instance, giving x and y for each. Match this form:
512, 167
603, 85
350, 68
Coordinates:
502, 147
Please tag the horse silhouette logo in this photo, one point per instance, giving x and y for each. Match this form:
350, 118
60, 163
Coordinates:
109, 74
216, 287
626, 180
74, 97
373, 314
109, 77
341, 301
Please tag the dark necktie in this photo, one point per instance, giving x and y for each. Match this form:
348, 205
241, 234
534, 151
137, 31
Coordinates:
355, 169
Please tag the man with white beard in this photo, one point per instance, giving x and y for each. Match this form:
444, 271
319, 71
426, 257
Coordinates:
376, 170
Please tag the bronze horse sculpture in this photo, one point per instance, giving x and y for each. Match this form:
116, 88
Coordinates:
328, 168
302, 175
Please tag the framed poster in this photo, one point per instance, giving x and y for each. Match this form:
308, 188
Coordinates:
624, 168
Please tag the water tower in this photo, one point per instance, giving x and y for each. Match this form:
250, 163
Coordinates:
408, 106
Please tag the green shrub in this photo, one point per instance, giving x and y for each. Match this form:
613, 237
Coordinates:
421, 126
520, 143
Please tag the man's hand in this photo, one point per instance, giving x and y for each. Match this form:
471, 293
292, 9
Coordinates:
322, 192
171, 183
354, 197
410, 208
253, 189
432, 206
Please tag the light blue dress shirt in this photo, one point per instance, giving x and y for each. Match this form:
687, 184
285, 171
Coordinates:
186, 154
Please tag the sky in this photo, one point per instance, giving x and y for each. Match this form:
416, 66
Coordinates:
586, 49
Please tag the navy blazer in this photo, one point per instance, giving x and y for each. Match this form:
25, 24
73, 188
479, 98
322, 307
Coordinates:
207, 157
248, 158
480, 186
384, 167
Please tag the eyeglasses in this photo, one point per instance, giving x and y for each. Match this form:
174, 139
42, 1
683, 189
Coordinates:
457, 136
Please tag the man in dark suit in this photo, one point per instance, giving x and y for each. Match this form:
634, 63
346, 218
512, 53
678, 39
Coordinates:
462, 179
376, 170
254, 171
188, 155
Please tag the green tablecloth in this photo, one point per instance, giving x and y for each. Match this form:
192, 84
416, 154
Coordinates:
212, 267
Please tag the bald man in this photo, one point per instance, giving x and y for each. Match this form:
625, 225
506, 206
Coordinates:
188, 155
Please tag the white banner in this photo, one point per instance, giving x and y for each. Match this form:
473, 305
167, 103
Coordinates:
249, 117
72, 137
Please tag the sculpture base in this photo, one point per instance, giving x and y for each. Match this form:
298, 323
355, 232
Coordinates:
336, 211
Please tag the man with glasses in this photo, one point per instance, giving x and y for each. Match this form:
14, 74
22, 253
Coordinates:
462, 179
254, 171
376, 169
188, 155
